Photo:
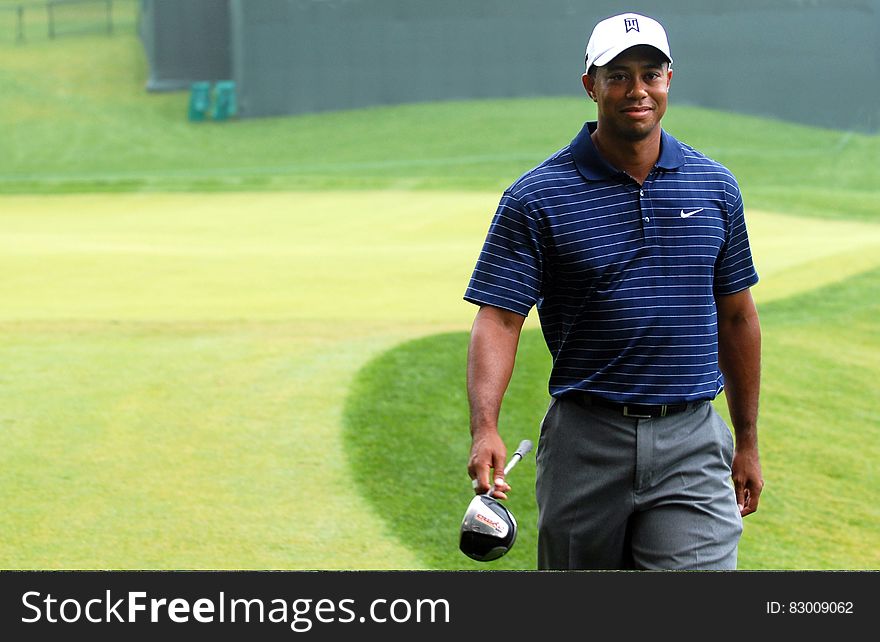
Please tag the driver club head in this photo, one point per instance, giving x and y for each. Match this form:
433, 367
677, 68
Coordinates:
488, 529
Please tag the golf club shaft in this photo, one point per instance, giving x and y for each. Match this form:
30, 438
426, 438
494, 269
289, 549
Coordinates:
513, 462
523, 449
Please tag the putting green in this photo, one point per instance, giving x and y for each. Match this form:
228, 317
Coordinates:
794, 255
389, 255
176, 365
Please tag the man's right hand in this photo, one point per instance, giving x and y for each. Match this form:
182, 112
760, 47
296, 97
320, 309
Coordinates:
486, 463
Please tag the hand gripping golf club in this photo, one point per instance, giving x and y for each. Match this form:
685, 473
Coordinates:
488, 529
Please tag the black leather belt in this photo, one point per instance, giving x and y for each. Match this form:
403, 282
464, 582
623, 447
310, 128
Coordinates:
636, 410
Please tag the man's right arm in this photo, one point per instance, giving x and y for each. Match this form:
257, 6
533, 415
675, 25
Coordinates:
491, 355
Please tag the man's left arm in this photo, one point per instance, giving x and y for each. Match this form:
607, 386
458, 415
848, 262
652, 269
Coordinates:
739, 357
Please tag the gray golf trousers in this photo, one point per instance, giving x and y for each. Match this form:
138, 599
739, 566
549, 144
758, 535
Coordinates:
618, 492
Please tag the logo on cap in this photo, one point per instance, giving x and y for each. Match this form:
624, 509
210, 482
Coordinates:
632, 24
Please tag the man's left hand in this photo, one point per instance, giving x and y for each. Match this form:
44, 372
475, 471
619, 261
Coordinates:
747, 480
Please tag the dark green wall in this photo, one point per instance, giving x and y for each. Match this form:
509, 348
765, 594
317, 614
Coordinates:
185, 41
812, 61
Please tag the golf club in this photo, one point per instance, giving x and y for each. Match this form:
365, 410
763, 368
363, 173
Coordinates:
488, 529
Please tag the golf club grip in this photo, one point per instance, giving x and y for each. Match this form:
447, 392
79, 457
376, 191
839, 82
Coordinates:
525, 446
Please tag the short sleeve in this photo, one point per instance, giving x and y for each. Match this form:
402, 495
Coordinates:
734, 268
508, 271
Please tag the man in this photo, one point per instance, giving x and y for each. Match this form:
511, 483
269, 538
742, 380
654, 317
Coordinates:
634, 248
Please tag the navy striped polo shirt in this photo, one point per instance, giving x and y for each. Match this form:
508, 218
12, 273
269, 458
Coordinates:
624, 276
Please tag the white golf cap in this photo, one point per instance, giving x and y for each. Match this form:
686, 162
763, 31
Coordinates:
618, 33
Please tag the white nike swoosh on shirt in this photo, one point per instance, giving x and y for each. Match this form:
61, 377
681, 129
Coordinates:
686, 214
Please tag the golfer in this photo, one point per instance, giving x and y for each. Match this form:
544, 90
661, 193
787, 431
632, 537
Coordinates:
634, 249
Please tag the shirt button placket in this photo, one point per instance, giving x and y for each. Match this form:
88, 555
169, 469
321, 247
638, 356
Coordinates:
648, 229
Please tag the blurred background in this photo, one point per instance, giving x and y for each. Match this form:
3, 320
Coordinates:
235, 234
802, 60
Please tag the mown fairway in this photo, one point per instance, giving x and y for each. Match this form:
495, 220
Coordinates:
186, 308
175, 369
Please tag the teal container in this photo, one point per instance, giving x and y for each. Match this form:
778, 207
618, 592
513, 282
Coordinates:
199, 101
225, 104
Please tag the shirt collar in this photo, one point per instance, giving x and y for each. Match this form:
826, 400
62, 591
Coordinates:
593, 166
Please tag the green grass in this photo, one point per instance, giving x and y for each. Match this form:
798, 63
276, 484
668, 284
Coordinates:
175, 368
406, 433
181, 445
819, 440
407, 437
116, 137
393, 257
177, 364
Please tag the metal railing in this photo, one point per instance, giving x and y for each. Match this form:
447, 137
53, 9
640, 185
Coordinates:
53, 5
52, 19
19, 20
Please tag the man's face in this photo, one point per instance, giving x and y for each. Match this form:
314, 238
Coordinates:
630, 92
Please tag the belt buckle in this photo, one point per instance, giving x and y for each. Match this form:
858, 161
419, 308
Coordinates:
627, 413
